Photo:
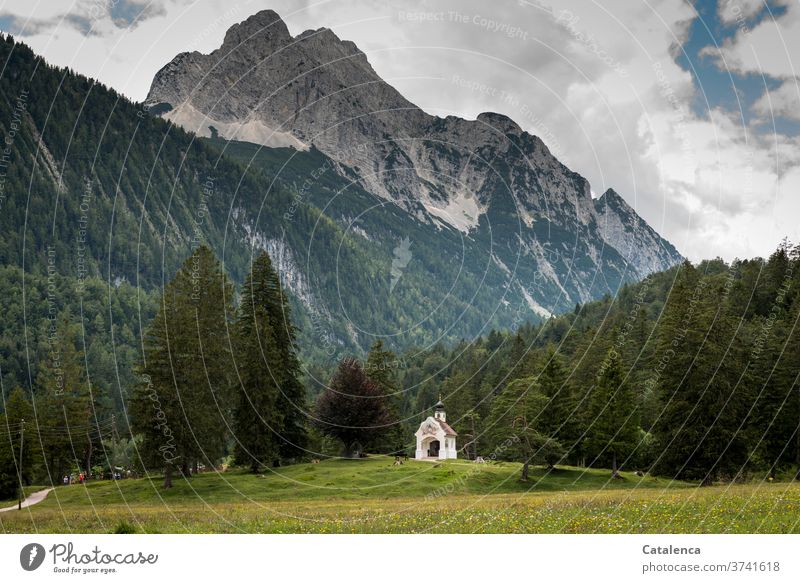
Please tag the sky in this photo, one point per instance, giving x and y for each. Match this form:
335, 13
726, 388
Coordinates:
689, 110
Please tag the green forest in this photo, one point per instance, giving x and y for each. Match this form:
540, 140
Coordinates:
690, 374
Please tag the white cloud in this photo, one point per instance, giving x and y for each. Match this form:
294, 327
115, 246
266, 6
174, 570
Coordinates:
783, 102
769, 48
739, 11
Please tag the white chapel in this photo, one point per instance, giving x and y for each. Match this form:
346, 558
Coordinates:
435, 438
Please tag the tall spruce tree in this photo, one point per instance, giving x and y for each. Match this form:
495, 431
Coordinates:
292, 402
9, 478
65, 428
613, 415
264, 368
699, 433
774, 428
561, 419
515, 427
17, 420
182, 406
381, 367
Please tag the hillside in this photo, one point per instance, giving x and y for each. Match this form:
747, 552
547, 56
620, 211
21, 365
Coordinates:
337, 479
95, 187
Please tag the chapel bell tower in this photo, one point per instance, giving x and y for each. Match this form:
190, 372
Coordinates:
439, 411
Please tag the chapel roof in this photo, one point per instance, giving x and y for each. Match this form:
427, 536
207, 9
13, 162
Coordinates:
447, 429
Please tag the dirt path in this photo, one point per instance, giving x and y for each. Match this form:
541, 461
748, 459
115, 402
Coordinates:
34, 498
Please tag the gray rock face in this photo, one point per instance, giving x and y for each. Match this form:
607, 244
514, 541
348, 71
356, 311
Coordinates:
483, 176
636, 241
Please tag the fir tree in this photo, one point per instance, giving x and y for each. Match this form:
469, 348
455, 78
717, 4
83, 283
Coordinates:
699, 432
270, 294
775, 421
262, 371
381, 367
613, 416
182, 406
16, 425
515, 427
65, 426
561, 420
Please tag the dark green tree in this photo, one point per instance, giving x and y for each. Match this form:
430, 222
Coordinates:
15, 423
292, 404
613, 423
774, 427
9, 480
261, 363
382, 366
561, 419
182, 405
515, 427
699, 433
66, 425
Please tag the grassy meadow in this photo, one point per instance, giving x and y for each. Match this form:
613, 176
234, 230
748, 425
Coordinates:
374, 496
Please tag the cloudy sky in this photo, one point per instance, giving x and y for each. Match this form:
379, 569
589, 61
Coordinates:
691, 111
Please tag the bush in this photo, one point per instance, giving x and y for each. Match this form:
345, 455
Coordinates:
125, 527
9, 481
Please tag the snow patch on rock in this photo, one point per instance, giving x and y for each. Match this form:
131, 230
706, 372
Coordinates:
252, 130
461, 211
534, 305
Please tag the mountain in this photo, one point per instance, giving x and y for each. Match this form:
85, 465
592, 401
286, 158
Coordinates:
486, 178
101, 202
100, 196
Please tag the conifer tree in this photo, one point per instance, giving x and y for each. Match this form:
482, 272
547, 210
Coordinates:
262, 366
182, 406
515, 427
381, 367
66, 425
561, 419
18, 420
699, 431
775, 421
613, 423
292, 404
9, 479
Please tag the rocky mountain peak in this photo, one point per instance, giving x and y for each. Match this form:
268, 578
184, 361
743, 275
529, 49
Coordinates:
265, 27
500, 122
637, 241
611, 196
267, 87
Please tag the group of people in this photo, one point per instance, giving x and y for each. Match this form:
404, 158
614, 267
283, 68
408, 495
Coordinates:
83, 477
72, 479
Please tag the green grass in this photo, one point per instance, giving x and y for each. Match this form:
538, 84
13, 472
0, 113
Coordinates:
370, 478
372, 495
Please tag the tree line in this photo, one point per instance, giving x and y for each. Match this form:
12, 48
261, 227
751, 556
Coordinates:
691, 374
218, 380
